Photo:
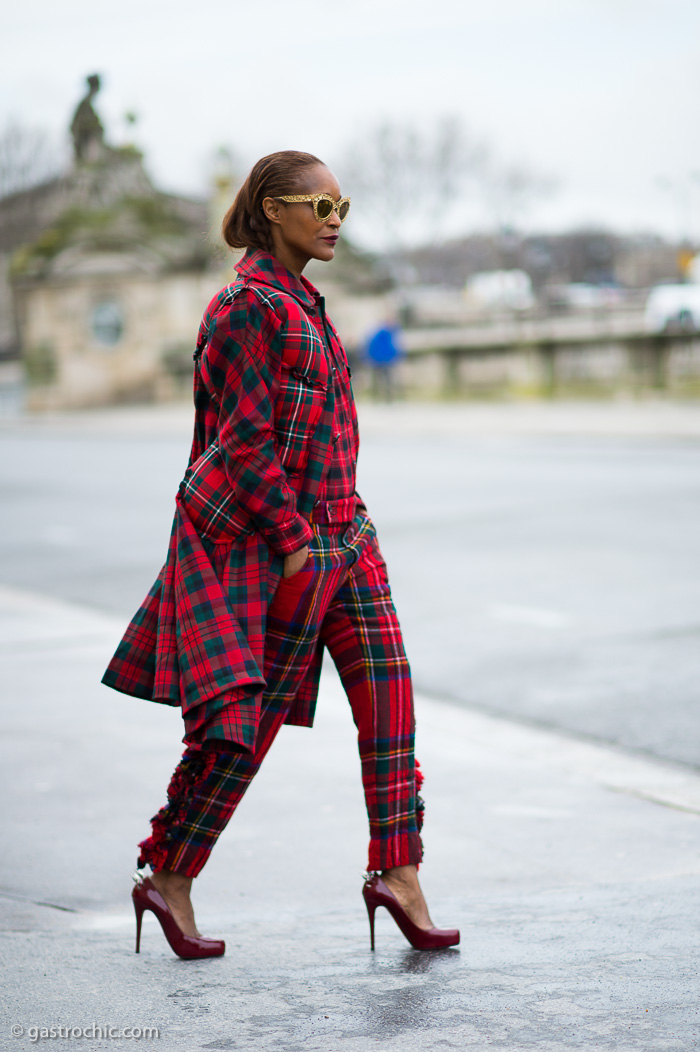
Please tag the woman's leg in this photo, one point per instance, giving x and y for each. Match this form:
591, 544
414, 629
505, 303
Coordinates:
204, 791
363, 636
208, 784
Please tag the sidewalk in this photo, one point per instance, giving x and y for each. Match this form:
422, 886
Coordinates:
571, 869
623, 417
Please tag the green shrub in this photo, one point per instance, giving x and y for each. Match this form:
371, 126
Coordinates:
40, 365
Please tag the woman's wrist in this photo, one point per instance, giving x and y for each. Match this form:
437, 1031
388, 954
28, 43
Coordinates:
295, 561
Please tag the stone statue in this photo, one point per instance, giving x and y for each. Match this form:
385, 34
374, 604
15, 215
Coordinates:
86, 127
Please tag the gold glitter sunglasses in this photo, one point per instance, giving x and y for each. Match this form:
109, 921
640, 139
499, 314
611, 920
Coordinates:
324, 205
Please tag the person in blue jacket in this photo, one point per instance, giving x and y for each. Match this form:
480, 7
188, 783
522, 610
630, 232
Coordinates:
383, 353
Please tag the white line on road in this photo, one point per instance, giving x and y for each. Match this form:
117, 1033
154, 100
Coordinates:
29, 620
608, 766
528, 615
27, 615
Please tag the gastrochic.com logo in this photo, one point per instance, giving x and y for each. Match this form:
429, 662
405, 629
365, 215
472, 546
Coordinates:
97, 1031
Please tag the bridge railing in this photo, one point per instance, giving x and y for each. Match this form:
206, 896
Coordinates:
457, 363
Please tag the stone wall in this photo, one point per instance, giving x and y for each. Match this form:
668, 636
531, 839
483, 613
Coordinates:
597, 367
106, 335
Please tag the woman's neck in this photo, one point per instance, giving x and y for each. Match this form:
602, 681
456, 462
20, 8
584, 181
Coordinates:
292, 259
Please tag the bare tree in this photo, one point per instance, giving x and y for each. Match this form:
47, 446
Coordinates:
411, 183
27, 158
403, 177
511, 189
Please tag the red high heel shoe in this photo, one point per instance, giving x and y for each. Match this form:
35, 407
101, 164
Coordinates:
376, 893
191, 947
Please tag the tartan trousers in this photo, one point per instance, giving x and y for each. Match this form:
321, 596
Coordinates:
340, 599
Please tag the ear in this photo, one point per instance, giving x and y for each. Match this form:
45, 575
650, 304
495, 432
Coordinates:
272, 209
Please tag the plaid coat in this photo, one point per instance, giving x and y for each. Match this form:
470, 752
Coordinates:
263, 442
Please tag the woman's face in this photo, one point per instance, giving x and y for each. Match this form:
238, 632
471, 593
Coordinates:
297, 235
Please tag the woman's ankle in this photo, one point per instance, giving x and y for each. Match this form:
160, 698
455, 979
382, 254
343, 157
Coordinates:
404, 874
173, 881
403, 882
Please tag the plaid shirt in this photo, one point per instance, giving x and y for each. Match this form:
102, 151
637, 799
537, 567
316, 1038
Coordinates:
341, 476
264, 406
271, 394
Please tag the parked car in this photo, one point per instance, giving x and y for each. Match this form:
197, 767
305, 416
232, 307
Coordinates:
673, 308
580, 296
500, 289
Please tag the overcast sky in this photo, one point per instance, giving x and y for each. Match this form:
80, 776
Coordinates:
603, 95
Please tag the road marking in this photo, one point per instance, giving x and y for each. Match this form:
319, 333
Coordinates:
60, 536
26, 615
529, 615
609, 766
31, 621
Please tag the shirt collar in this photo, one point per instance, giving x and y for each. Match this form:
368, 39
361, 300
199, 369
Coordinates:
266, 269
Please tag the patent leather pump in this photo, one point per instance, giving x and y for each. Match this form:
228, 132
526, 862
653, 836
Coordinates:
376, 893
191, 947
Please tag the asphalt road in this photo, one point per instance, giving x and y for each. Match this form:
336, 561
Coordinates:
553, 578
543, 573
570, 868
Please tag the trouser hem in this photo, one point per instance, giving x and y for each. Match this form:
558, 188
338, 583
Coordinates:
404, 851
161, 850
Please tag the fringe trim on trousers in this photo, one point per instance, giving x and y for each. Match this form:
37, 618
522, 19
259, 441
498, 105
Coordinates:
341, 600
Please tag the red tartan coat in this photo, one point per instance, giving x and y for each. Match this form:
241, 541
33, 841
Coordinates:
263, 441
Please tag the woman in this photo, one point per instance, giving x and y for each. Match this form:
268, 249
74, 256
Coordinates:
272, 558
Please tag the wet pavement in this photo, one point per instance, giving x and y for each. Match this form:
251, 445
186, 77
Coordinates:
571, 869
570, 864
543, 558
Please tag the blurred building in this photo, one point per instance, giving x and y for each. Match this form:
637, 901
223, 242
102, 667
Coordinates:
103, 277
590, 257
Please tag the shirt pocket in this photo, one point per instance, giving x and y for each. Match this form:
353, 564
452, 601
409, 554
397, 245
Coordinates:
209, 500
298, 409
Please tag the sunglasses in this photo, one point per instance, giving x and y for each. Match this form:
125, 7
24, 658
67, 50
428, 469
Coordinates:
324, 205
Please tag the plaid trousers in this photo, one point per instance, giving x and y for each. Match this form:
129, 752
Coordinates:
339, 600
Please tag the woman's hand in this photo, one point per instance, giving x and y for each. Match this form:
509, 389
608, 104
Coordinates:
295, 562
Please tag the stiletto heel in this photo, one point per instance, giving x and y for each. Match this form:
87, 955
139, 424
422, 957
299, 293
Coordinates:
376, 893
145, 896
138, 909
371, 910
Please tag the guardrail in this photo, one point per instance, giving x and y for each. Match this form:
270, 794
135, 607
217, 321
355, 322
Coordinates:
549, 363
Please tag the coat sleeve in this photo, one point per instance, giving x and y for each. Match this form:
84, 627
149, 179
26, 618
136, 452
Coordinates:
243, 357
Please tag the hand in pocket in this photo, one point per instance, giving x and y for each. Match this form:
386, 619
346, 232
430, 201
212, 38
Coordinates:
295, 562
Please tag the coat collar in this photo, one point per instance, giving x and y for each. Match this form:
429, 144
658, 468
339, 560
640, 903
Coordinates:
263, 268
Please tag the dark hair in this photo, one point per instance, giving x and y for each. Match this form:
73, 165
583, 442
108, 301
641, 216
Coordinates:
245, 224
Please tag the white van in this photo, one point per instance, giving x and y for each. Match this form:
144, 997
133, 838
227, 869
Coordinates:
673, 308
